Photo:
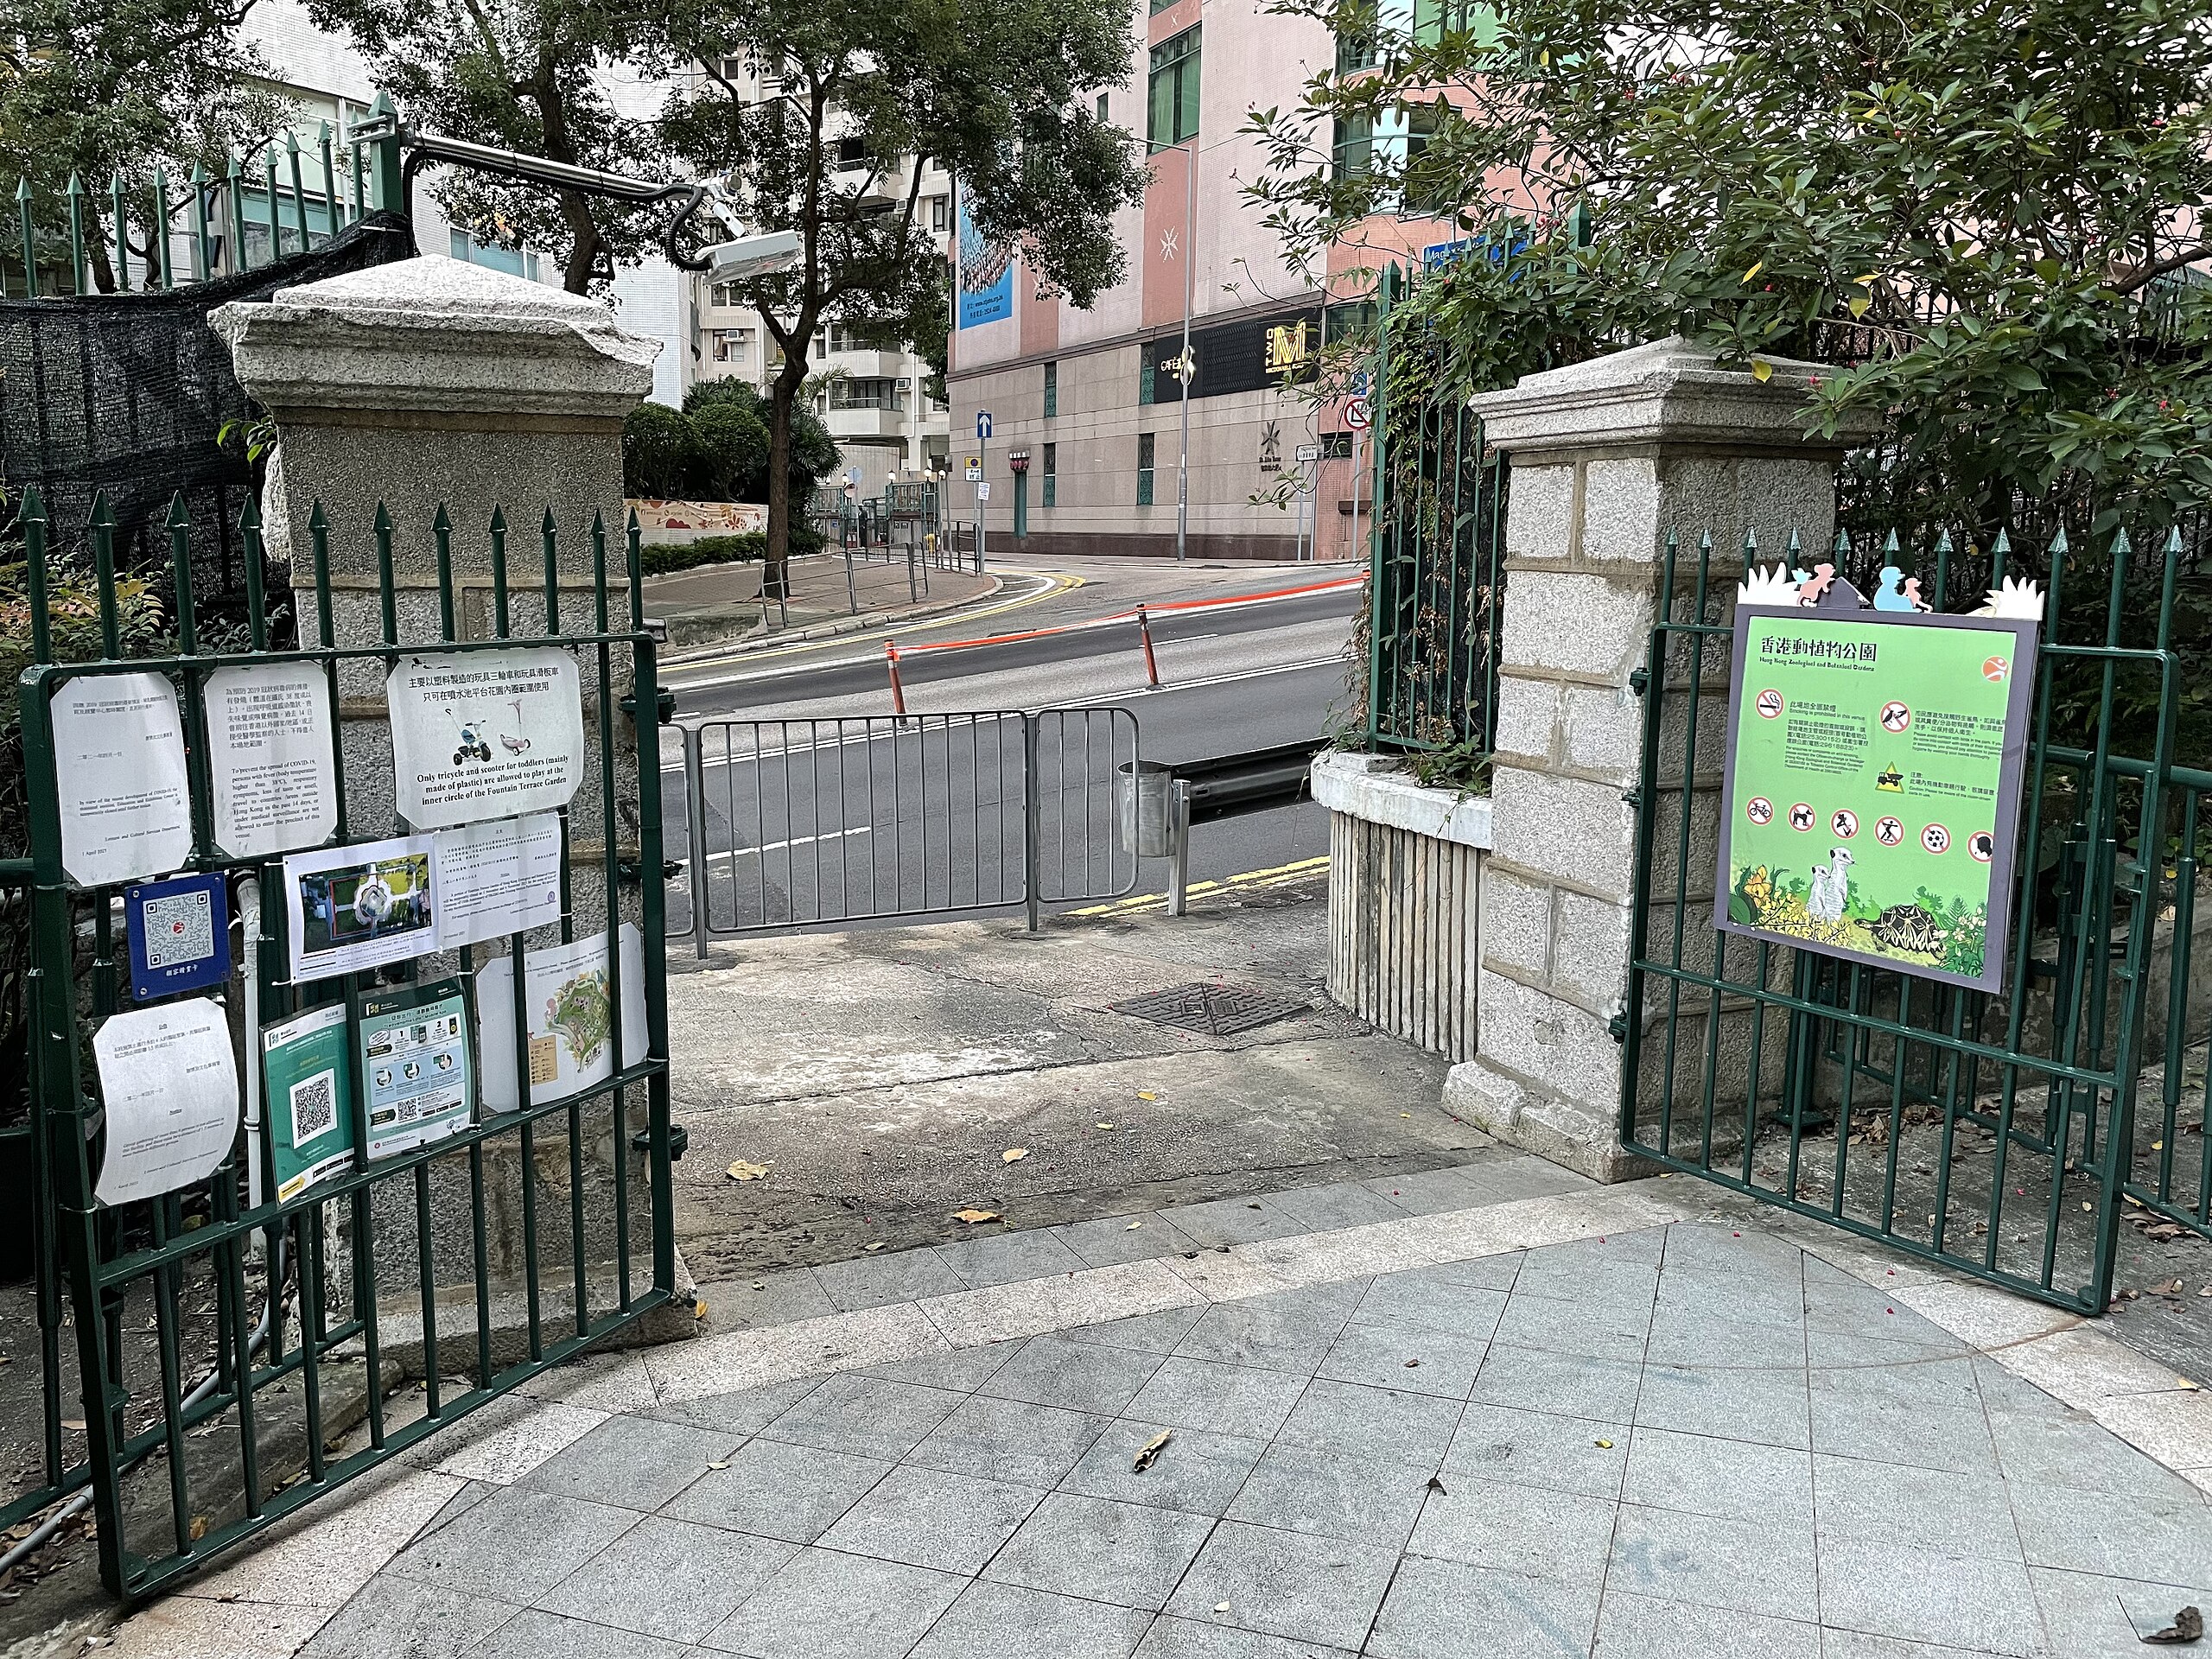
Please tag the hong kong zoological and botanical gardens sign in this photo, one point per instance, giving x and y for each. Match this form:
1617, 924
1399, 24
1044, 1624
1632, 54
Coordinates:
1871, 802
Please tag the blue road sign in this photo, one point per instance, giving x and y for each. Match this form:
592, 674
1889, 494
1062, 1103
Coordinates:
983, 424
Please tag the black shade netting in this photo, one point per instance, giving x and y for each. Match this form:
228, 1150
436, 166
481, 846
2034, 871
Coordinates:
125, 394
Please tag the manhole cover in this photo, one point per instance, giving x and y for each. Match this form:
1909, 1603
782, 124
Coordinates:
1214, 1010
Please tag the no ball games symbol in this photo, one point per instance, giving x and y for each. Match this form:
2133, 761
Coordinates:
1759, 809
1982, 845
1769, 703
1845, 824
1935, 838
1889, 831
1801, 816
1895, 716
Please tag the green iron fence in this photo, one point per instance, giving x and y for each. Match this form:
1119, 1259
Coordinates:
2000, 1136
1436, 587
283, 199
235, 1355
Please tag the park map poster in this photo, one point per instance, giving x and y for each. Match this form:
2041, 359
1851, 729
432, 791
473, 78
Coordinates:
1873, 796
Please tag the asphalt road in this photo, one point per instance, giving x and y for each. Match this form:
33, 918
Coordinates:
829, 812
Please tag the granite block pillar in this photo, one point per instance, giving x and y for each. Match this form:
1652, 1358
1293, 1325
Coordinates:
1607, 457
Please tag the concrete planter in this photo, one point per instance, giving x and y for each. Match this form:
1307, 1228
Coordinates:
1405, 871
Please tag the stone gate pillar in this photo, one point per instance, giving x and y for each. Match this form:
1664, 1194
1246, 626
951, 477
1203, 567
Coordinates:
430, 382
1607, 456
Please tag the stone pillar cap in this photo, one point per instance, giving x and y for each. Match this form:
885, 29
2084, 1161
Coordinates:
1670, 392
428, 333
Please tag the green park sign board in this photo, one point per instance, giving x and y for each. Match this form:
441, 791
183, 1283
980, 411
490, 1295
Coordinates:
1873, 797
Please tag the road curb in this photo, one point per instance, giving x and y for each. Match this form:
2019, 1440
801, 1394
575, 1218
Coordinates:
865, 620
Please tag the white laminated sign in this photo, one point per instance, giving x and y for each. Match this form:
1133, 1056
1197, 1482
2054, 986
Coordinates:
118, 755
270, 758
485, 734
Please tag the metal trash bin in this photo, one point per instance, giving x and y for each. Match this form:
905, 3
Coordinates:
1145, 789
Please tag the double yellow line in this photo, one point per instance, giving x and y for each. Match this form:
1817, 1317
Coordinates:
1251, 880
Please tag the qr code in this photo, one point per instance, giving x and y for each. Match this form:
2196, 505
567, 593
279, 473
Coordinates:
314, 1107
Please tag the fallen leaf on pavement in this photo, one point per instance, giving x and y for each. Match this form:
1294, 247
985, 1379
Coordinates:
2188, 1626
1134, 1225
1603, 1445
1147, 1094
1151, 1450
1105, 1126
971, 1217
876, 1244
741, 1171
1221, 1606
199, 1527
1013, 1154
1436, 1485
718, 1466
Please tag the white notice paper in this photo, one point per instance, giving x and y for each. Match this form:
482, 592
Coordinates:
495, 879
170, 1085
269, 752
485, 734
119, 757
570, 1045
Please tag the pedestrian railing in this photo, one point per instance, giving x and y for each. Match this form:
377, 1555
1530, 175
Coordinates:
826, 823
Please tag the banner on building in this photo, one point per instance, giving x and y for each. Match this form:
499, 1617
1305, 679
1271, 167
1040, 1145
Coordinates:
986, 272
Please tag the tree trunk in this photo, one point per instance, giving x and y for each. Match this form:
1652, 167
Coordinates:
583, 245
783, 397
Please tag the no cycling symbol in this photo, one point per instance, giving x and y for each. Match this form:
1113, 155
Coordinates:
1759, 809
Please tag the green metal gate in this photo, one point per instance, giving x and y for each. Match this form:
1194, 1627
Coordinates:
240, 1358
2000, 1136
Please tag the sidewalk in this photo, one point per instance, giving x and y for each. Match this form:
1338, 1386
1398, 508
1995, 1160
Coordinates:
1596, 1420
721, 603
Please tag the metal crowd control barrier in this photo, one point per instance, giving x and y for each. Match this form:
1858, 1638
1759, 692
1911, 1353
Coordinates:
826, 823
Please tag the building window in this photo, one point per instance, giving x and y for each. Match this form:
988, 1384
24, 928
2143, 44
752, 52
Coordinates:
1052, 390
938, 219
862, 337
1356, 36
1052, 473
1102, 106
1144, 470
732, 346
726, 295
867, 393
1171, 91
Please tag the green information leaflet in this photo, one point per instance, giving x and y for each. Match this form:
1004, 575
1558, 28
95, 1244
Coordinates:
1872, 795
417, 1082
309, 1099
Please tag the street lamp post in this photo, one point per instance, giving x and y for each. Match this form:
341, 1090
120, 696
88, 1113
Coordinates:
1186, 369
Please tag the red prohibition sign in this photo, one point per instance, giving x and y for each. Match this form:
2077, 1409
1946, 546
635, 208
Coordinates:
1889, 831
1895, 717
1769, 703
1801, 816
1845, 823
1982, 845
1759, 809
1935, 838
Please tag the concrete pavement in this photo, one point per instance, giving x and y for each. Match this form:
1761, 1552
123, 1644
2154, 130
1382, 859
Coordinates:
1584, 1421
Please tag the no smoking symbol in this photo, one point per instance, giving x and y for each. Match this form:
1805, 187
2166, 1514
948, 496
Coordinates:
1895, 716
1759, 809
1769, 703
1935, 838
1889, 831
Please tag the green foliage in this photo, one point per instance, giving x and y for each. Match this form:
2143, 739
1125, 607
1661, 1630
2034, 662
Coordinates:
1984, 215
659, 559
94, 86
524, 75
716, 448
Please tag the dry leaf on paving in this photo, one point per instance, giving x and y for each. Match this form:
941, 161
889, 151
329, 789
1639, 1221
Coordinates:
876, 1244
1013, 1154
741, 1171
1152, 1449
1134, 1225
971, 1217
1147, 1094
